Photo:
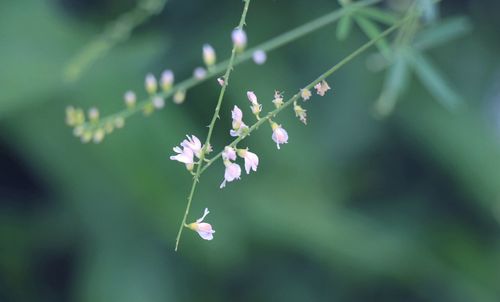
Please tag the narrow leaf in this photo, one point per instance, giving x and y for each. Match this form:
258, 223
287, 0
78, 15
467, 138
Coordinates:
372, 31
344, 27
379, 15
394, 84
434, 81
442, 32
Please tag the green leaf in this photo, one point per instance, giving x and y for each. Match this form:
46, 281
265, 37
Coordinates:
344, 27
442, 32
372, 31
434, 81
395, 83
379, 15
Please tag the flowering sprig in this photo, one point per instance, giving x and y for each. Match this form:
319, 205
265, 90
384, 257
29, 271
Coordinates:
233, 171
299, 94
86, 129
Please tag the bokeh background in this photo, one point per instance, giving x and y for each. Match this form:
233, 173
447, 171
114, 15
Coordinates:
353, 208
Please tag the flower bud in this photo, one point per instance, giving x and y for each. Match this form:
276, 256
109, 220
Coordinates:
93, 114
259, 57
119, 122
158, 102
167, 80
300, 113
239, 38
208, 55
98, 136
130, 99
199, 73
150, 84
179, 97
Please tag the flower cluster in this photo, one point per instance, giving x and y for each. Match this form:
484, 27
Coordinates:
93, 128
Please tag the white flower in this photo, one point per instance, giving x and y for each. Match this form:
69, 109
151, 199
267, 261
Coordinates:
167, 79
202, 228
208, 55
229, 153
305, 94
239, 126
185, 155
93, 114
233, 171
278, 99
322, 88
221, 81
239, 38
259, 57
194, 144
280, 136
251, 159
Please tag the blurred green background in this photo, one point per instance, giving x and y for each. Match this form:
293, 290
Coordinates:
352, 209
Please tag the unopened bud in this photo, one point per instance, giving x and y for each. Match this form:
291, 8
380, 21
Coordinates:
150, 84
167, 79
209, 56
179, 97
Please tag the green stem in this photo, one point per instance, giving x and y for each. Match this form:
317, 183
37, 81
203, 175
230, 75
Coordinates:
211, 127
309, 86
267, 46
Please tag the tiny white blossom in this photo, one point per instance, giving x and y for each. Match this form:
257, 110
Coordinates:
202, 228
93, 114
305, 94
221, 81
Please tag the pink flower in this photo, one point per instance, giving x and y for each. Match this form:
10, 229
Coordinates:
252, 97
238, 125
251, 160
322, 88
194, 144
202, 228
233, 171
221, 81
185, 155
229, 153
256, 107
280, 136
